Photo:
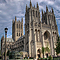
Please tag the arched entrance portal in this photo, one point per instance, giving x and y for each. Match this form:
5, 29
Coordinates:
47, 43
39, 53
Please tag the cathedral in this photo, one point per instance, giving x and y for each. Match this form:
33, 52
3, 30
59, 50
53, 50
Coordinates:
39, 32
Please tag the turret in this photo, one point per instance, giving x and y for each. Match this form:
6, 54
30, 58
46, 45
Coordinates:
15, 18
30, 4
37, 6
52, 11
26, 7
46, 8
13, 21
42, 14
34, 6
22, 20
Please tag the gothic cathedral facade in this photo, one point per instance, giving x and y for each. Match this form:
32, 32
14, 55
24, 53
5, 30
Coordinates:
40, 32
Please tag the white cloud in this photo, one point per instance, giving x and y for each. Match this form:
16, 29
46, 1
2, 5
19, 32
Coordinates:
9, 36
11, 8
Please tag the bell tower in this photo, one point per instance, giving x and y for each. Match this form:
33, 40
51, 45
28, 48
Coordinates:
17, 29
32, 29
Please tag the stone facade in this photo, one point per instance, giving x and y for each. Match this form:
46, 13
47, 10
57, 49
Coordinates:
9, 42
17, 29
19, 44
38, 32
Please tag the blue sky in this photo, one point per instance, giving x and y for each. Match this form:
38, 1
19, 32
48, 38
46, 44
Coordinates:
11, 8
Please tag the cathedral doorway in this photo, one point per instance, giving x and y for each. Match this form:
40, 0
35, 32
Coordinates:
47, 55
39, 53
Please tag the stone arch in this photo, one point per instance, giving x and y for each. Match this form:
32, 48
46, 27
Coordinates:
47, 42
39, 53
46, 35
45, 31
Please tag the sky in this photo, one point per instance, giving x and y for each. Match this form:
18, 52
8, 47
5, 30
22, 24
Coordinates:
11, 8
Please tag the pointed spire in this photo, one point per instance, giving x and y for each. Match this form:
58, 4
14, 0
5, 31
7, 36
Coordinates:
15, 18
34, 6
46, 8
37, 6
22, 20
42, 12
26, 7
52, 11
13, 21
30, 4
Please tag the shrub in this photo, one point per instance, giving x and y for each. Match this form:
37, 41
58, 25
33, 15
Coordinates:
50, 58
30, 57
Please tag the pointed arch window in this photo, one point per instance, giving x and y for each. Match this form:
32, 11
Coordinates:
21, 34
33, 12
17, 34
17, 25
21, 26
36, 13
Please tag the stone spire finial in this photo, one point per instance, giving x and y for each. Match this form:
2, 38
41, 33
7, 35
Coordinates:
52, 11
30, 4
15, 18
46, 8
26, 7
37, 6
13, 21
22, 20
42, 12
34, 6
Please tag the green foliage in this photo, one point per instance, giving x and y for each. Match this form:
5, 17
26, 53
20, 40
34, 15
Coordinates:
4, 53
43, 51
21, 53
11, 55
50, 58
58, 46
25, 57
47, 49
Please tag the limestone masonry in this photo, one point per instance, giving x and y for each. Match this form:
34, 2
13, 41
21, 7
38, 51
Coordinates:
38, 33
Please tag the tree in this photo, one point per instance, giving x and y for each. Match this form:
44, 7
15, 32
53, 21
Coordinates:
47, 49
43, 51
21, 53
8, 53
58, 46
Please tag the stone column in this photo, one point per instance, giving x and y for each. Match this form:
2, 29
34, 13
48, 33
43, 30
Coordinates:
43, 40
51, 46
35, 45
38, 35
